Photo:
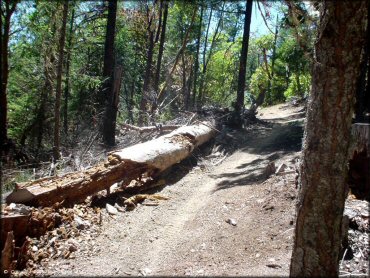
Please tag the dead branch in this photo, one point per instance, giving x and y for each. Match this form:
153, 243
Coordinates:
158, 127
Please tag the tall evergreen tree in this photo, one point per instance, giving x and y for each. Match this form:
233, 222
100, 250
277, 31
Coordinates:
110, 113
243, 62
58, 91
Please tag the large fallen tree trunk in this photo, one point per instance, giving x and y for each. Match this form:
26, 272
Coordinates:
145, 159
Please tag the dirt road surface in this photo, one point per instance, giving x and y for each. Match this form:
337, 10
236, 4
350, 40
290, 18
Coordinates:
224, 215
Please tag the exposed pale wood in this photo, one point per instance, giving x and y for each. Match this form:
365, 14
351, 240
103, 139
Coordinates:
161, 128
149, 158
163, 152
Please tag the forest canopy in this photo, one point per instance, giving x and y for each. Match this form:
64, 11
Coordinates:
169, 56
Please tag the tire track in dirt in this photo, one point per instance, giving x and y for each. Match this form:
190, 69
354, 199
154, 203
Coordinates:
188, 234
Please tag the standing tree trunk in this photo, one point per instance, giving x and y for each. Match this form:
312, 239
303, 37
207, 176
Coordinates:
161, 48
273, 58
58, 92
183, 46
148, 69
200, 95
362, 93
188, 88
196, 64
6, 15
68, 64
109, 121
324, 159
243, 61
210, 52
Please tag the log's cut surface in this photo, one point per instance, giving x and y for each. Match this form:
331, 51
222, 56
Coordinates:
149, 158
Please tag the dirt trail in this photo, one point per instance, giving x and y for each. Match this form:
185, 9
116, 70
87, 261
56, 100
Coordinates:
189, 234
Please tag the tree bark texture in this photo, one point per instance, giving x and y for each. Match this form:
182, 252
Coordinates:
196, 63
6, 14
68, 64
112, 105
323, 166
161, 48
109, 121
243, 58
58, 91
148, 72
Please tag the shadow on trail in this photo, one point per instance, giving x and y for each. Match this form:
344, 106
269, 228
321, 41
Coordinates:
270, 143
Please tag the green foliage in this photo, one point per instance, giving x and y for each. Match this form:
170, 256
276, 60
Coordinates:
298, 89
19, 177
259, 81
33, 60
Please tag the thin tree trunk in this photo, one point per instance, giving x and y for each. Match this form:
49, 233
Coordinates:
58, 91
196, 64
299, 86
184, 90
178, 55
159, 28
200, 95
160, 54
188, 88
273, 58
10, 7
109, 123
204, 75
323, 166
148, 70
68, 64
243, 60
46, 91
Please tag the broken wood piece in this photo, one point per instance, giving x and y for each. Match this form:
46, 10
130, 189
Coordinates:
134, 200
7, 254
149, 158
159, 127
15, 223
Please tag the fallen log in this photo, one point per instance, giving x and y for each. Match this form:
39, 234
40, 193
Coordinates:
145, 159
158, 127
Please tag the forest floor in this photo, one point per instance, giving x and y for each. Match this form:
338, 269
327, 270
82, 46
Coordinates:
223, 218
227, 214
